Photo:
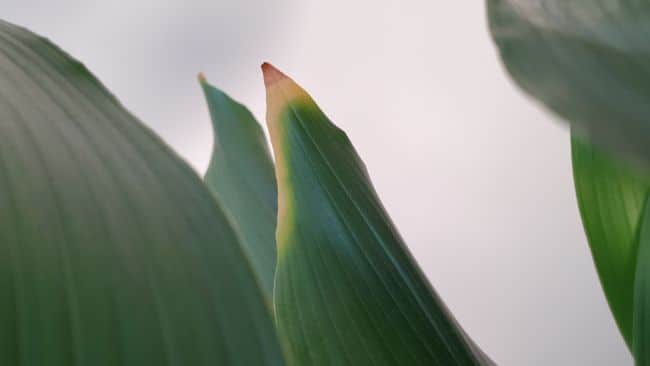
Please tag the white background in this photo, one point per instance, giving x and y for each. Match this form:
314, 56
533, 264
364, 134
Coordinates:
476, 176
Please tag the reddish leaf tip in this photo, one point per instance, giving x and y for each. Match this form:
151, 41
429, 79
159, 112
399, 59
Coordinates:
271, 74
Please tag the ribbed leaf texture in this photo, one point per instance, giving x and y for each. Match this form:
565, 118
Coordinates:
347, 290
112, 250
611, 196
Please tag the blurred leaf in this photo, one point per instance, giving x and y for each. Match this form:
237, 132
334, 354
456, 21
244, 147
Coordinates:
112, 250
641, 344
241, 175
611, 195
587, 60
347, 290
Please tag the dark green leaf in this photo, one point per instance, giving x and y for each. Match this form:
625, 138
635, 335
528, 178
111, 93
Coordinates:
587, 60
611, 195
112, 250
242, 178
641, 344
347, 290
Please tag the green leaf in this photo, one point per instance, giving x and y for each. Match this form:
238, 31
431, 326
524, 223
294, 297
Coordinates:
586, 60
241, 175
347, 290
112, 250
641, 344
611, 195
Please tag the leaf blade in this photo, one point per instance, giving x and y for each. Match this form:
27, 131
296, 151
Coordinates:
587, 61
611, 196
641, 327
340, 257
113, 250
242, 177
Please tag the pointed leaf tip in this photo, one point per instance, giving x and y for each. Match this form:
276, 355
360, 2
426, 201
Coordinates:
282, 95
271, 74
241, 175
202, 78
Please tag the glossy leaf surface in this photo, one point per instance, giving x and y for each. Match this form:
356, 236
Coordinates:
242, 177
587, 60
347, 290
112, 250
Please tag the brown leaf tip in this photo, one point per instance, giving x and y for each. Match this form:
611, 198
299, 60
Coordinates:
271, 74
202, 78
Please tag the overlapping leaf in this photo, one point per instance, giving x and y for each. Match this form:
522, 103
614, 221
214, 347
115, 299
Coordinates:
347, 290
587, 60
611, 195
241, 176
112, 250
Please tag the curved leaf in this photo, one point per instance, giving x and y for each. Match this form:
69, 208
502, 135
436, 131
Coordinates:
587, 60
347, 290
641, 344
112, 250
611, 195
241, 175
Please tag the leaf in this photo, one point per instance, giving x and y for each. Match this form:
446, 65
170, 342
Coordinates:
611, 195
242, 177
588, 61
641, 345
347, 290
112, 250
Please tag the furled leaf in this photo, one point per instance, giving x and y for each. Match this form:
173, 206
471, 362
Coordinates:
347, 290
241, 176
112, 250
611, 195
587, 60
641, 344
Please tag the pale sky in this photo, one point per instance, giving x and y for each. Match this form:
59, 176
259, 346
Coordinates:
476, 176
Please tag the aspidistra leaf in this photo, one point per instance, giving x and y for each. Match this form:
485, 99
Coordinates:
641, 343
241, 175
347, 290
112, 250
611, 196
587, 60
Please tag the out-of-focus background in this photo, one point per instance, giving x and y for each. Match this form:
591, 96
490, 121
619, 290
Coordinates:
476, 176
